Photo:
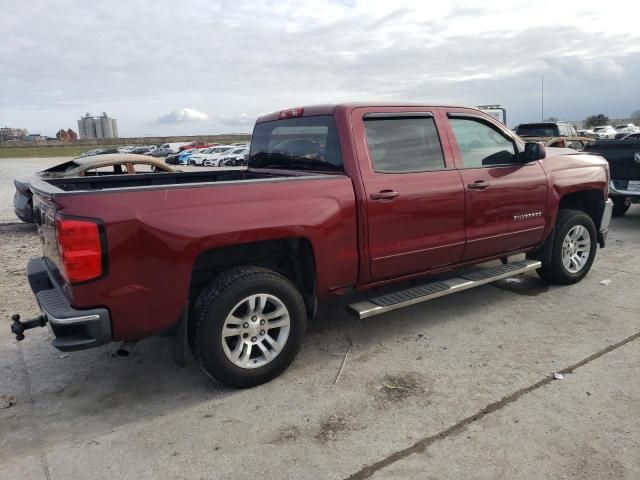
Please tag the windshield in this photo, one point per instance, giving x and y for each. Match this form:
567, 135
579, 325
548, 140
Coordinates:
304, 143
537, 130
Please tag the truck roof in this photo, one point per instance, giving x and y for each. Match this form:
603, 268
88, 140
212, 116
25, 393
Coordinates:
331, 108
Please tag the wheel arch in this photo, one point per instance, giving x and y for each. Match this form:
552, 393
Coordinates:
590, 201
292, 257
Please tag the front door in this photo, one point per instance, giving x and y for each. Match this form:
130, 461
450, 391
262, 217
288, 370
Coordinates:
505, 199
414, 194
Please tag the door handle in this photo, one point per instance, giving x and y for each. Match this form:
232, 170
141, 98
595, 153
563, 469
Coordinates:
479, 185
384, 195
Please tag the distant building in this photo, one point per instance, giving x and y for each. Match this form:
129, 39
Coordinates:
97, 127
35, 137
7, 133
66, 135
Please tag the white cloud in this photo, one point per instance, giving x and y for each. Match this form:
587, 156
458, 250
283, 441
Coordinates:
184, 115
239, 120
228, 57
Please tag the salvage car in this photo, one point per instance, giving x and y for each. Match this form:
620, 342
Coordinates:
207, 154
213, 160
337, 199
553, 134
606, 132
235, 158
197, 144
113, 164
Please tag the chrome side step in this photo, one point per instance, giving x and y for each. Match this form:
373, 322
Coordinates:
422, 293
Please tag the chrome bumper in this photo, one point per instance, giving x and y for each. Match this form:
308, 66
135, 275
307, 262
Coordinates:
622, 193
603, 231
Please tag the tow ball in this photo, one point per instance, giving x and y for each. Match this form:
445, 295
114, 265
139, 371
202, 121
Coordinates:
18, 327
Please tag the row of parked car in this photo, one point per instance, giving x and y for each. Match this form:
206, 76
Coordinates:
607, 132
233, 155
194, 153
565, 135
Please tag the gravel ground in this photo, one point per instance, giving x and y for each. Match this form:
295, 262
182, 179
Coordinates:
12, 167
459, 387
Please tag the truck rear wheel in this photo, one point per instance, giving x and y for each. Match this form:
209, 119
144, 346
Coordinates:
573, 251
248, 326
620, 205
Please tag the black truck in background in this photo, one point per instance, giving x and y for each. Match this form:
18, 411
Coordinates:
624, 166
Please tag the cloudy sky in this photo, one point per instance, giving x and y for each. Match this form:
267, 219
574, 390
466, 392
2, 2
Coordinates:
205, 66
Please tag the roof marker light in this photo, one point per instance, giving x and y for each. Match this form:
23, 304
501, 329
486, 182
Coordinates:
291, 113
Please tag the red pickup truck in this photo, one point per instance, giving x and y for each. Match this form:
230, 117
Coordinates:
196, 144
400, 203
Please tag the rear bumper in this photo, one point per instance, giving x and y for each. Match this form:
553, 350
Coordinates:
603, 231
74, 329
22, 206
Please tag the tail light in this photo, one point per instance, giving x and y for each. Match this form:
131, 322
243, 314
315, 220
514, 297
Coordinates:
561, 144
81, 249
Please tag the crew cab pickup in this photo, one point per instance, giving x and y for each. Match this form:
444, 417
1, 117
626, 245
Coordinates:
336, 199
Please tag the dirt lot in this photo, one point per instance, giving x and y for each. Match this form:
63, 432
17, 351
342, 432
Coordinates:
460, 387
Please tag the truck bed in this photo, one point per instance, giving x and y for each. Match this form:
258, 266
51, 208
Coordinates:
162, 180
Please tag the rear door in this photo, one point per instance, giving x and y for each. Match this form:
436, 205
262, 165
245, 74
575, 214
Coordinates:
414, 194
505, 199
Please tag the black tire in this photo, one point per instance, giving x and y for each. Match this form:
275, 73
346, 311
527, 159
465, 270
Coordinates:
620, 205
218, 300
553, 269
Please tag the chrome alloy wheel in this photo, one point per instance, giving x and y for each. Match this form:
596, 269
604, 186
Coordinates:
575, 249
255, 331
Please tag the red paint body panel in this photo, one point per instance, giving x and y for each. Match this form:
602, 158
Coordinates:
421, 229
154, 235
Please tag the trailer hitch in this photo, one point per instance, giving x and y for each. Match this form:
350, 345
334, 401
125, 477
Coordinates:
18, 327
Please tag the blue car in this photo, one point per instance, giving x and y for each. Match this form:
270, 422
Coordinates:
183, 158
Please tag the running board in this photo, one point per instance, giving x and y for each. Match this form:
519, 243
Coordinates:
410, 296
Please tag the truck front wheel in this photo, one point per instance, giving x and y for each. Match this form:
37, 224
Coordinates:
248, 326
573, 251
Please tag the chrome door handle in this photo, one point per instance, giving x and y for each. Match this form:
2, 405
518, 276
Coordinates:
479, 185
384, 195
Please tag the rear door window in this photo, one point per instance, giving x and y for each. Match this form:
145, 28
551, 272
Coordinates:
403, 144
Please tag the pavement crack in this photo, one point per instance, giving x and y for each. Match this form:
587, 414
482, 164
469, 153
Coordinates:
421, 445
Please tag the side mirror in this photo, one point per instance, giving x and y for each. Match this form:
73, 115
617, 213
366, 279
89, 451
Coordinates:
534, 151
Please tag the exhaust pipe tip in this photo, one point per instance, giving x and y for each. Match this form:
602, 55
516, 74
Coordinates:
125, 349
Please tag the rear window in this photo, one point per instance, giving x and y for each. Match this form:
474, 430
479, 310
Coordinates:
537, 130
304, 143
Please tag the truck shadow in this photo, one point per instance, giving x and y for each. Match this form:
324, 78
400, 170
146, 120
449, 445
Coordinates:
85, 394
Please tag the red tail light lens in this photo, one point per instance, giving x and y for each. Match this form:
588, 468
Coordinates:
80, 249
561, 144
